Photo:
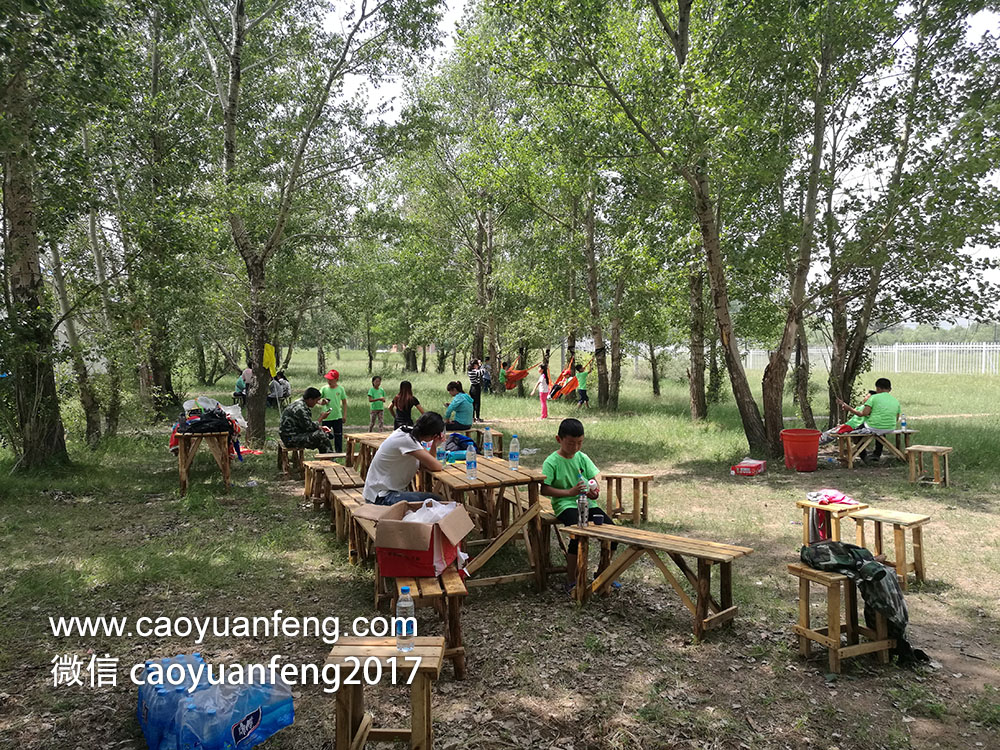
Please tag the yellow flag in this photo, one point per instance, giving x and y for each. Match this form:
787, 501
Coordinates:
269, 361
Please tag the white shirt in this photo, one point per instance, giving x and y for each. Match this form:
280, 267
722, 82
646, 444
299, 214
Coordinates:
543, 384
392, 468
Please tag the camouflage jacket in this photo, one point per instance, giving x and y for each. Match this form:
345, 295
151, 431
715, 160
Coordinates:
878, 583
297, 419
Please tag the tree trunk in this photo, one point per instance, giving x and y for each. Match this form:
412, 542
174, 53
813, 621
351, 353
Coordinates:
423, 358
753, 425
256, 328
522, 355
410, 359
113, 407
454, 367
320, 359
773, 383
201, 361
597, 330
616, 342
442, 359
42, 439
802, 377
293, 338
653, 363
88, 399
369, 342
714, 394
696, 346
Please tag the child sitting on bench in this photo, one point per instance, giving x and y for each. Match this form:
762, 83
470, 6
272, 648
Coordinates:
562, 471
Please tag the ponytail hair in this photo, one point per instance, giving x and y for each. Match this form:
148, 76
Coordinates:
454, 385
430, 425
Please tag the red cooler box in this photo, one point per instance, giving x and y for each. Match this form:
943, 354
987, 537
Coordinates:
406, 548
748, 467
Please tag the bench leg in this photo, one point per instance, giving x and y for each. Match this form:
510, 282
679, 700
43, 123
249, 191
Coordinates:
859, 532
645, 500
851, 607
704, 592
636, 503
918, 552
805, 645
881, 634
454, 622
421, 730
878, 537
936, 459
899, 540
833, 626
913, 466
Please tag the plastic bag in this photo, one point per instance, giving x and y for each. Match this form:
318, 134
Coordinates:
431, 512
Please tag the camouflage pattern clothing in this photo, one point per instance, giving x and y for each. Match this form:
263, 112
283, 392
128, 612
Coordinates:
878, 584
298, 429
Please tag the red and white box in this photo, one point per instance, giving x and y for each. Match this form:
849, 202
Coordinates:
748, 467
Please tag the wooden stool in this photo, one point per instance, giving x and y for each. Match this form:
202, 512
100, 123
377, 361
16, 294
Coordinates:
834, 512
614, 500
330, 456
289, 459
312, 471
445, 593
878, 643
354, 724
334, 478
939, 454
900, 523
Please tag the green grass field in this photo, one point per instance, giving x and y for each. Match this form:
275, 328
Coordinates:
110, 535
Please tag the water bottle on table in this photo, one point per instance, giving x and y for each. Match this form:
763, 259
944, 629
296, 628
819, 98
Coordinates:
488, 444
514, 453
470, 462
902, 421
582, 504
404, 621
442, 454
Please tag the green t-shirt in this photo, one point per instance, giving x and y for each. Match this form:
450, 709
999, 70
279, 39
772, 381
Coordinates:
563, 473
581, 379
885, 411
855, 421
376, 393
335, 395
502, 376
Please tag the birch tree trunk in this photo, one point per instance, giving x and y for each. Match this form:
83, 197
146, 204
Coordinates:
696, 345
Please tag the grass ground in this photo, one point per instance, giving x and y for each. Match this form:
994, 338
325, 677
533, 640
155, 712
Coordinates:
111, 536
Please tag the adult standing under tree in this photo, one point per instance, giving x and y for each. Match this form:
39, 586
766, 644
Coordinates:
476, 386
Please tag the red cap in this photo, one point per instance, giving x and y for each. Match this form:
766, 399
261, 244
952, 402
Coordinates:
332, 375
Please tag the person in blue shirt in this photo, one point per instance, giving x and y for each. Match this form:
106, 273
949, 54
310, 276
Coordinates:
458, 413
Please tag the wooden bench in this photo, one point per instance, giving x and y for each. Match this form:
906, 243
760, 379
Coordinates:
445, 593
850, 444
901, 522
878, 643
290, 459
355, 726
640, 508
939, 457
634, 544
317, 486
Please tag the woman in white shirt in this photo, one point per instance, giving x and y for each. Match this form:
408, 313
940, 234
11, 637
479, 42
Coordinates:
399, 458
542, 386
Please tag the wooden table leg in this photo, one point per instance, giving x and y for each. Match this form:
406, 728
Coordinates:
350, 712
859, 532
421, 729
182, 463
805, 527
947, 475
636, 503
833, 520
912, 460
603, 564
645, 500
878, 537
918, 552
881, 634
454, 604
725, 585
936, 460
704, 593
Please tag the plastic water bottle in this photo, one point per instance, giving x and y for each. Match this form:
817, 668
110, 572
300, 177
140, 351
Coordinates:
488, 444
582, 504
404, 621
514, 453
442, 455
470, 462
902, 421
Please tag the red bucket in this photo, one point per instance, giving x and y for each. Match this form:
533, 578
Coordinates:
801, 449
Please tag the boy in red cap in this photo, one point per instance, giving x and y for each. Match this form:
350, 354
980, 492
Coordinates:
335, 397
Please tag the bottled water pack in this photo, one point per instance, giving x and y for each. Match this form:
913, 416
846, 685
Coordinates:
212, 717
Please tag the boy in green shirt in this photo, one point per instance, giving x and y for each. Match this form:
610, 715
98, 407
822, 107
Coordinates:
581, 389
335, 397
376, 402
880, 412
562, 471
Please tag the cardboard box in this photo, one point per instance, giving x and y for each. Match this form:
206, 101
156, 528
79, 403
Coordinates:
404, 548
748, 467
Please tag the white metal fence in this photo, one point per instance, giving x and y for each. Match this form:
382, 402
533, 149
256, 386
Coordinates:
944, 359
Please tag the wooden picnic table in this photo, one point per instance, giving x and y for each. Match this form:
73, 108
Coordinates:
499, 515
850, 444
187, 446
364, 444
834, 512
635, 543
